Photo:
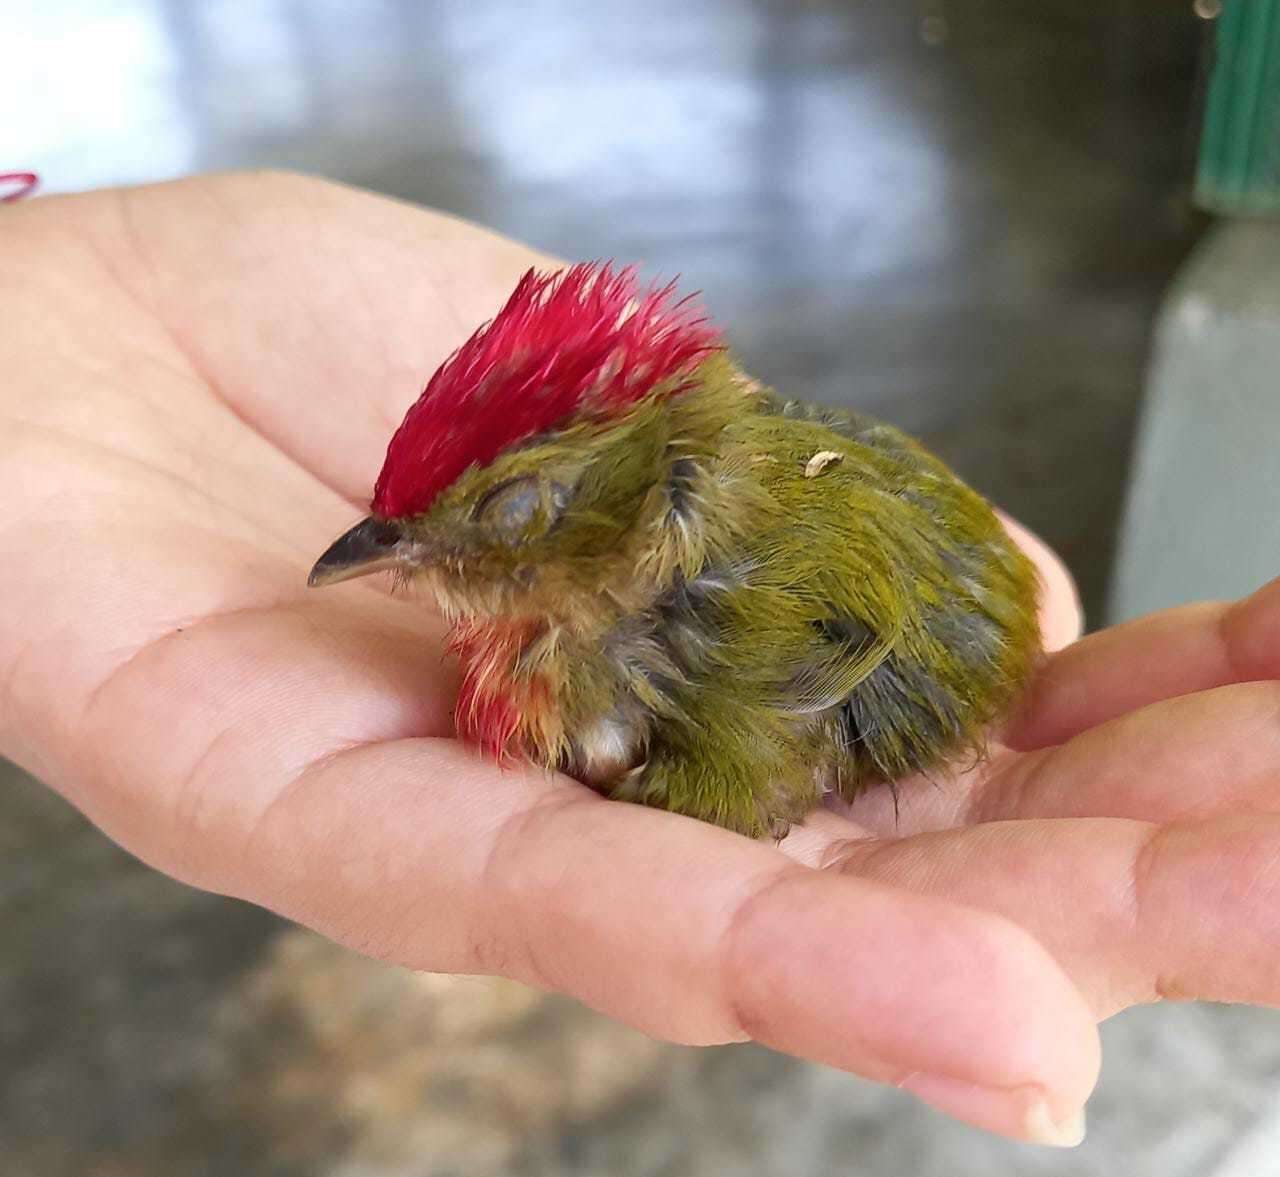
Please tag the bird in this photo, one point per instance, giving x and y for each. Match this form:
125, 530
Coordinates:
679, 587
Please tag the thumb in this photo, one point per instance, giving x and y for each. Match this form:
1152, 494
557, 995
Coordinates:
420, 852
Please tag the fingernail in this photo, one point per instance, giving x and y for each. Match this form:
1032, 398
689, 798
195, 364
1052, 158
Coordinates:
1020, 1112
1041, 1128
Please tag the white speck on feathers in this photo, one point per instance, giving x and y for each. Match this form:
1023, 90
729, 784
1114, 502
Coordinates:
820, 461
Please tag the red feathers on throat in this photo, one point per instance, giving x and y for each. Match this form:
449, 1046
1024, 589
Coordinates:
584, 342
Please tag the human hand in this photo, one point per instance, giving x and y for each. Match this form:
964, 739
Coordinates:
200, 381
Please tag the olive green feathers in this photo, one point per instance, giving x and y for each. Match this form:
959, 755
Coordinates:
718, 602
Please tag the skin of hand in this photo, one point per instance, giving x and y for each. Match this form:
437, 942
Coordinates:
200, 379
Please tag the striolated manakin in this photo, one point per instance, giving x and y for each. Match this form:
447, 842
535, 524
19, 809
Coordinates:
675, 585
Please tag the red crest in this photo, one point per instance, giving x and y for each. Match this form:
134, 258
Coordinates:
584, 342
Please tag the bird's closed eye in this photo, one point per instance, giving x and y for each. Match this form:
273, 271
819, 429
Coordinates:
510, 507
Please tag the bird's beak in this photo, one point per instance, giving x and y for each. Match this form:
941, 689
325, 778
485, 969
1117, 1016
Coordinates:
372, 545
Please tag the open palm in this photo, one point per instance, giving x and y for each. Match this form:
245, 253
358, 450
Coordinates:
199, 381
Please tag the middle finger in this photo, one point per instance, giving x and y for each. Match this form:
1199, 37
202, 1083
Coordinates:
1198, 755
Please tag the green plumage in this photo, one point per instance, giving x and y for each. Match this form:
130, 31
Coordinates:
728, 603
875, 619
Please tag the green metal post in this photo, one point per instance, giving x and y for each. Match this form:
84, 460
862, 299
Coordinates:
1239, 170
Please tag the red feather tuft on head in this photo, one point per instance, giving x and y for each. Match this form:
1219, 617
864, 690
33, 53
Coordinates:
584, 341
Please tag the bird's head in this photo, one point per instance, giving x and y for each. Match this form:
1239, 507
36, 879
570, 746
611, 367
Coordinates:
555, 458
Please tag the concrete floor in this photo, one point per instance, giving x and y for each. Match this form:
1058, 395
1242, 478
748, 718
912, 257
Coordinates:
959, 215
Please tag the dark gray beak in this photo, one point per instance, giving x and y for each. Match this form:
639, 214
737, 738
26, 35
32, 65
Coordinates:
372, 545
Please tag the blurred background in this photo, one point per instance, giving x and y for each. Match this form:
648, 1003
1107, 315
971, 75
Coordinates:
959, 214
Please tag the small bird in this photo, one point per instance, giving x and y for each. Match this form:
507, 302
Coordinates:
678, 587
